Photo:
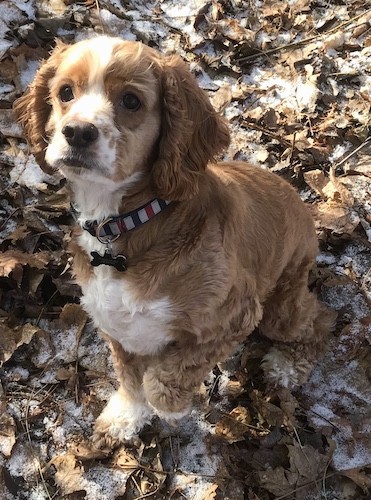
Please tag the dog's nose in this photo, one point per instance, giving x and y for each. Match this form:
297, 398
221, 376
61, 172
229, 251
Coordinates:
80, 135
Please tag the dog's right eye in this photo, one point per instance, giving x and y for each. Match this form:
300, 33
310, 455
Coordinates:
66, 93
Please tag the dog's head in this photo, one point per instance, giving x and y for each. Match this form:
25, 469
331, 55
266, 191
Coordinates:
105, 109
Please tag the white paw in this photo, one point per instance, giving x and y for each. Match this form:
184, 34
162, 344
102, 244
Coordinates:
280, 369
120, 422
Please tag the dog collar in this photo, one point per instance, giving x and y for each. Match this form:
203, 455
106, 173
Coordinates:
110, 229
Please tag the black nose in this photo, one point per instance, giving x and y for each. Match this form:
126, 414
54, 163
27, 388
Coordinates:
80, 135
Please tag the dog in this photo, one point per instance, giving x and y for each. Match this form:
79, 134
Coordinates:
179, 258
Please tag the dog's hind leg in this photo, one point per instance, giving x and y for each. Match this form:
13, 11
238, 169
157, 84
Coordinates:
298, 324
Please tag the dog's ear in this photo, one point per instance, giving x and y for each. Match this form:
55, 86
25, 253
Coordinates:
192, 133
33, 109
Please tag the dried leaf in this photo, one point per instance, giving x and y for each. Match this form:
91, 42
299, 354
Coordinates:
11, 338
271, 413
126, 459
11, 259
69, 473
222, 98
278, 481
7, 431
359, 477
233, 426
306, 461
210, 493
337, 219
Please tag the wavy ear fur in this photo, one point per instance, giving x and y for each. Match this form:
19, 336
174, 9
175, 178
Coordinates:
33, 109
192, 133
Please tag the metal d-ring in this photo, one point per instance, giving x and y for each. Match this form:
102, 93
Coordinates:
109, 238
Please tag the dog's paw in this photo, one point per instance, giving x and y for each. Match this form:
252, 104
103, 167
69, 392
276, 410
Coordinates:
283, 370
172, 417
120, 422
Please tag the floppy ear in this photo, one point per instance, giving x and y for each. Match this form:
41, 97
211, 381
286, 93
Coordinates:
33, 109
192, 133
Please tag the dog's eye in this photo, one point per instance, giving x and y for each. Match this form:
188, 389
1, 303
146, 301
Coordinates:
130, 102
66, 93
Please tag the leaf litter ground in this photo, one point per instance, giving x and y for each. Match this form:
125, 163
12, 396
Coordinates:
293, 78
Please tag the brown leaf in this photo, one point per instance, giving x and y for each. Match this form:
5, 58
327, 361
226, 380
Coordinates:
233, 426
271, 413
11, 338
19, 233
126, 459
10, 259
69, 473
359, 477
222, 97
316, 180
339, 220
210, 493
7, 431
306, 461
329, 188
277, 481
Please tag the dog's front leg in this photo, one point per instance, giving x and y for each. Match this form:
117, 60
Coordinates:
127, 410
173, 378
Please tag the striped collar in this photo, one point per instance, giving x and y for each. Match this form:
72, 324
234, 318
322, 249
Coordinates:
111, 228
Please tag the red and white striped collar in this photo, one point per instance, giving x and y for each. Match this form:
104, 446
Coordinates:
111, 228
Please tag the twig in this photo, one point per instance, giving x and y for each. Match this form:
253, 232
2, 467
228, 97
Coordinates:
325, 419
301, 42
292, 148
44, 306
35, 457
291, 493
8, 218
245, 123
324, 477
365, 143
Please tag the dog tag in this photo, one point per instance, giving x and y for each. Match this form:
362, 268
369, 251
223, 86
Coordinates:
118, 262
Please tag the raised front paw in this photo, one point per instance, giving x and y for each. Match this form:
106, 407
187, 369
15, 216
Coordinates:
120, 422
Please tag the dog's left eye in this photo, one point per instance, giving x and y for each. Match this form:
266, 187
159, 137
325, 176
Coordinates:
130, 102
66, 93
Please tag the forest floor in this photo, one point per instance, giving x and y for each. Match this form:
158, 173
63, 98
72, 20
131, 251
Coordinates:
294, 80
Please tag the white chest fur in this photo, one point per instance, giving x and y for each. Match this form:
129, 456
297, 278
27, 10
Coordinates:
141, 327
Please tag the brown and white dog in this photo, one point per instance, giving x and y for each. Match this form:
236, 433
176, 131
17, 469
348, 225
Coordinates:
178, 258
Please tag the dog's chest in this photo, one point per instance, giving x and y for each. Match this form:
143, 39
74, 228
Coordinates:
142, 327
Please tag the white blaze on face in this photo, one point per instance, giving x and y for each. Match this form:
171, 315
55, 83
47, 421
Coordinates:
92, 107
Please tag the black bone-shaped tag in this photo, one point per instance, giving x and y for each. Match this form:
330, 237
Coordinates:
118, 262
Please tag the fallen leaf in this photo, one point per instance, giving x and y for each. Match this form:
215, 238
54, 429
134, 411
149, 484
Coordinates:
359, 477
11, 338
233, 426
69, 473
11, 259
7, 431
278, 481
337, 219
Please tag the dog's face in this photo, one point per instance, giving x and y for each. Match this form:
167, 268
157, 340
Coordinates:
105, 116
105, 109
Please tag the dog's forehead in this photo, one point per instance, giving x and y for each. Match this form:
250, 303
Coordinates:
88, 56
92, 60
